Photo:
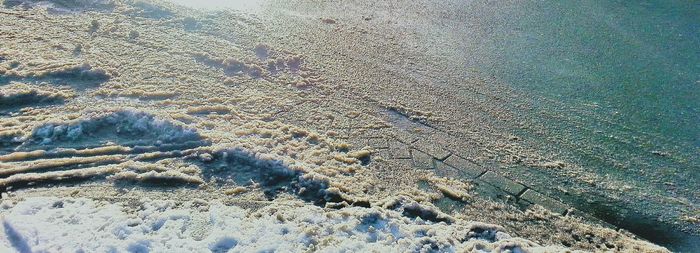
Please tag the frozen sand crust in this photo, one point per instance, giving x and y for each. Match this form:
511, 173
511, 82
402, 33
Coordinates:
68, 224
57, 158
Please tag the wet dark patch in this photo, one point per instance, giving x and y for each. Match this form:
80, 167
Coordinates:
645, 227
9, 142
425, 214
240, 167
414, 210
10, 104
155, 184
362, 203
481, 233
365, 160
74, 180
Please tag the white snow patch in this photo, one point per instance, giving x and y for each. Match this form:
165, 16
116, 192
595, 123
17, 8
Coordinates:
83, 225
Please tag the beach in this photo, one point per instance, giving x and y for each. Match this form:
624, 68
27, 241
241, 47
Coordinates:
139, 126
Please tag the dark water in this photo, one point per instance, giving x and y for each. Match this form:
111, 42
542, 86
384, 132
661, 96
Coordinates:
638, 58
616, 86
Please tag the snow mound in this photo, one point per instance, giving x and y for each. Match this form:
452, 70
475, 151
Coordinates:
122, 126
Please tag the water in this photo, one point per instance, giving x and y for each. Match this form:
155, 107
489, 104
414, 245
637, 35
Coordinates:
616, 86
641, 59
